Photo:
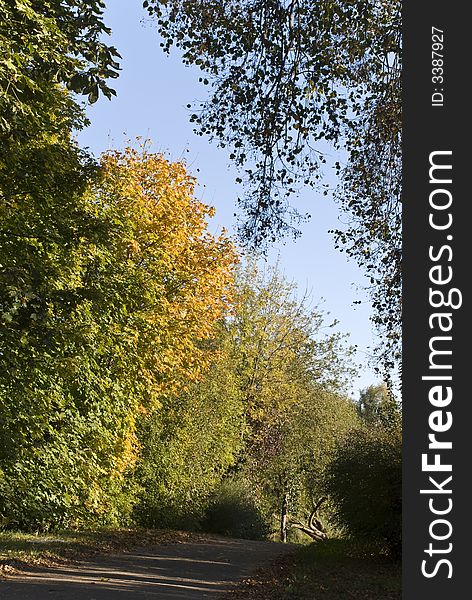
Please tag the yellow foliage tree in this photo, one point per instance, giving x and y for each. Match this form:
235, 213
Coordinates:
171, 279
184, 273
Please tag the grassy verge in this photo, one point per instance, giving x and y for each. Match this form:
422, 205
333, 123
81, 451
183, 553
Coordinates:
329, 570
19, 550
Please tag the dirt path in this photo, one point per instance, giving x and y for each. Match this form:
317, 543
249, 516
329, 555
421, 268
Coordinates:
182, 571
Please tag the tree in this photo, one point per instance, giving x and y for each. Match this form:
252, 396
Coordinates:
261, 422
377, 407
176, 276
189, 445
282, 341
292, 371
63, 453
64, 426
109, 294
363, 478
290, 465
289, 79
45, 44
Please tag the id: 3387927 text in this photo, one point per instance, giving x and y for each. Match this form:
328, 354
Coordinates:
437, 66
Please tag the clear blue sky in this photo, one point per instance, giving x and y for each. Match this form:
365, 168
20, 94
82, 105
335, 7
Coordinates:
152, 93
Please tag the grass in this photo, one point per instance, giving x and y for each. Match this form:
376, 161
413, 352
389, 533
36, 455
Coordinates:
329, 570
18, 550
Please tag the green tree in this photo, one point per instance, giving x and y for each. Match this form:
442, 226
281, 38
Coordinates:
260, 423
292, 370
63, 452
188, 446
378, 407
61, 442
45, 44
289, 464
281, 342
363, 478
289, 79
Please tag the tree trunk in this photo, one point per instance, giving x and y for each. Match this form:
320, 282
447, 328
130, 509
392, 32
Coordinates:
284, 518
314, 528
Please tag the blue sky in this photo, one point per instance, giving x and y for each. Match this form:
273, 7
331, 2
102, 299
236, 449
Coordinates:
152, 93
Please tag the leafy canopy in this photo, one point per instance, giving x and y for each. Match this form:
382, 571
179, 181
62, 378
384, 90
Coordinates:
290, 79
48, 42
111, 284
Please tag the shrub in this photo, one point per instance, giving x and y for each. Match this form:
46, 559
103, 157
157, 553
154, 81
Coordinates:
156, 510
364, 481
234, 512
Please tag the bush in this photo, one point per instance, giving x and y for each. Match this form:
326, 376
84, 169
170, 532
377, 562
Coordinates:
232, 511
364, 481
55, 490
157, 511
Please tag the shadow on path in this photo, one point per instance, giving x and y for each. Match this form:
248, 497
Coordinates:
181, 571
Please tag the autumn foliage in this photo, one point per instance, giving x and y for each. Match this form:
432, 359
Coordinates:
146, 377
106, 308
179, 274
